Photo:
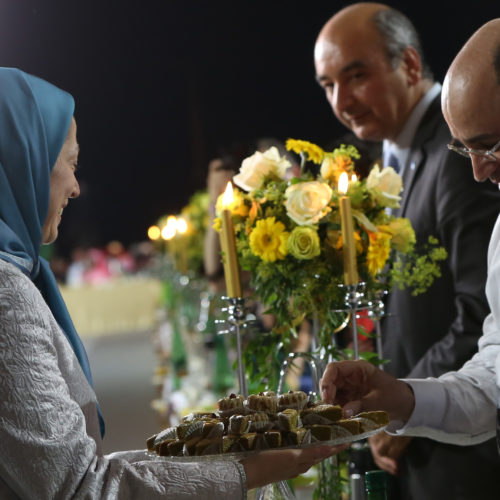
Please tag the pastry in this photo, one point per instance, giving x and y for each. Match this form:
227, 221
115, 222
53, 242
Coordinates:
247, 441
232, 402
273, 439
298, 437
239, 424
321, 432
175, 448
289, 420
292, 399
381, 418
162, 448
350, 425
264, 401
331, 413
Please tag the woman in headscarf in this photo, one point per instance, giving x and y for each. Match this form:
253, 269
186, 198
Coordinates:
50, 423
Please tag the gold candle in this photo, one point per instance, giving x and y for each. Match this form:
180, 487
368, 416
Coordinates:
228, 246
182, 230
349, 248
168, 233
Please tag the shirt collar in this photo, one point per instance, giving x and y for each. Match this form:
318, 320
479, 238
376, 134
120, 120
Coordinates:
401, 146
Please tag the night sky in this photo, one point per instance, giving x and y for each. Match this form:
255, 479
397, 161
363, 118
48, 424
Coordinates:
162, 86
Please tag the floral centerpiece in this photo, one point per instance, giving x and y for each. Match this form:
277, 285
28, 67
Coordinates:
288, 235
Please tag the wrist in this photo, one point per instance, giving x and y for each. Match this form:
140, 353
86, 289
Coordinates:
407, 400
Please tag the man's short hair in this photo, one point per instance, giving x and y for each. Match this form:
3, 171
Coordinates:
398, 33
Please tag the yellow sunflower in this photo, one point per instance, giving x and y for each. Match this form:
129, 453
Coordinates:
314, 152
268, 240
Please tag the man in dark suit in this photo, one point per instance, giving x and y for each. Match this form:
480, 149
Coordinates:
369, 61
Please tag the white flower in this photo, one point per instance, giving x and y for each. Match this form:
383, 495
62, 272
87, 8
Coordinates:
386, 185
258, 166
307, 202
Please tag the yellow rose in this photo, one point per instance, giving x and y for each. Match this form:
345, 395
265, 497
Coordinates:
307, 202
386, 185
402, 232
303, 243
258, 166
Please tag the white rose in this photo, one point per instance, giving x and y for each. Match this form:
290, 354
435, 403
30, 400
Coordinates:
307, 202
386, 185
259, 165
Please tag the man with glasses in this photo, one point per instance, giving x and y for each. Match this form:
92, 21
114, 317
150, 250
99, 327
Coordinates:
459, 407
369, 61
454, 145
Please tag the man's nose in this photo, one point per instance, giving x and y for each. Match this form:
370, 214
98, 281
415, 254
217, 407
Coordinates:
482, 167
341, 98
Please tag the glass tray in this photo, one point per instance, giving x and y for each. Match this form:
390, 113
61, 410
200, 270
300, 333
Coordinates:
244, 454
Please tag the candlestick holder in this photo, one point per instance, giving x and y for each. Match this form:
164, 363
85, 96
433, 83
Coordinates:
237, 319
315, 363
354, 300
376, 311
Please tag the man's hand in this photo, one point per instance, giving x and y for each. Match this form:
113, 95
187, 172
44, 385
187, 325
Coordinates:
278, 465
359, 386
387, 450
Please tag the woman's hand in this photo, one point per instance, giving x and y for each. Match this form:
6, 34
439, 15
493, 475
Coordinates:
277, 465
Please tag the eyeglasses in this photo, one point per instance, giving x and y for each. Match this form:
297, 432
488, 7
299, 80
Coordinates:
467, 152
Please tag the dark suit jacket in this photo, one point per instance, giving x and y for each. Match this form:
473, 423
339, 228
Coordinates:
428, 335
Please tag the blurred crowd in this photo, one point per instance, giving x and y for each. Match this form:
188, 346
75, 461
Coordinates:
93, 266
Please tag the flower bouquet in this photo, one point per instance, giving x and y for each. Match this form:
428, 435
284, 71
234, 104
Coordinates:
288, 235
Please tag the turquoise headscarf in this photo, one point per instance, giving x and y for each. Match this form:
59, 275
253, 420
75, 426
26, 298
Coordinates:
34, 120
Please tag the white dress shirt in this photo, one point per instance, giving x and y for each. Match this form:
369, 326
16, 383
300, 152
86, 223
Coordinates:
461, 407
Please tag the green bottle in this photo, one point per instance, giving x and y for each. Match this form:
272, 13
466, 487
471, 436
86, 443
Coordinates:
376, 485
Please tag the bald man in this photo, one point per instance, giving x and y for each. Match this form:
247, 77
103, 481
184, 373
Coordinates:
459, 407
370, 62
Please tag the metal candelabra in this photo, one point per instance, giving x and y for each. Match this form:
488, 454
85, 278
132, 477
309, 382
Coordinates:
236, 320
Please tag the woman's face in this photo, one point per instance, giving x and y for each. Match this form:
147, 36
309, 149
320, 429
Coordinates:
63, 185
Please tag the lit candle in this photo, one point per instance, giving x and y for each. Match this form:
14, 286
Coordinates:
228, 246
181, 230
349, 248
168, 232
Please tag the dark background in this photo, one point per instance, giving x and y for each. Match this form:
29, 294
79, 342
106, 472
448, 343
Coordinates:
161, 86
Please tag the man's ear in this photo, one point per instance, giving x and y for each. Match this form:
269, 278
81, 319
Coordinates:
413, 65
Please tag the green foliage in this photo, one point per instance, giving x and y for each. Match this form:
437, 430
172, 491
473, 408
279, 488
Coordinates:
418, 270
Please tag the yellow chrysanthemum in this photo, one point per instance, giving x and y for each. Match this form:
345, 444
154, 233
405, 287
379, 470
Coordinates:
314, 152
378, 251
339, 242
331, 168
268, 240
216, 224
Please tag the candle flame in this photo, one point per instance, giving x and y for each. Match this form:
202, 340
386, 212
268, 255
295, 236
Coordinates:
181, 225
228, 197
354, 178
154, 232
343, 182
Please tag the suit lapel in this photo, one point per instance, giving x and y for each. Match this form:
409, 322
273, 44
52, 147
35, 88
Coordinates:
415, 163
418, 154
